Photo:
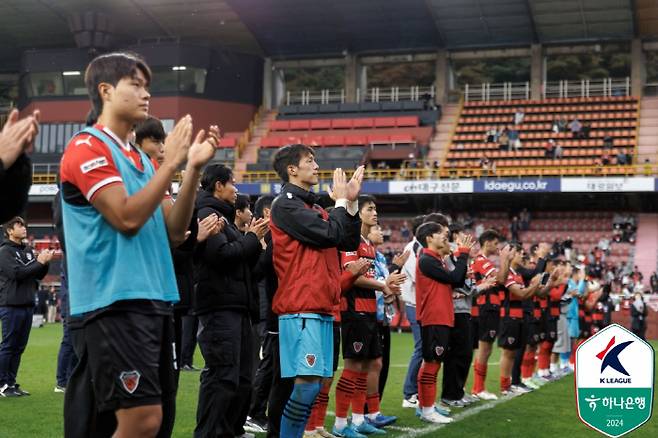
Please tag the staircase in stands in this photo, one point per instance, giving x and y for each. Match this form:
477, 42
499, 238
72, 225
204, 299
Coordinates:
648, 133
646, 248
250, 152
440, 142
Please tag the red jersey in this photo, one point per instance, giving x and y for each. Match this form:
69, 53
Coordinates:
87, 166
554, 298
356, 301
512, 305
482, 267
434, 285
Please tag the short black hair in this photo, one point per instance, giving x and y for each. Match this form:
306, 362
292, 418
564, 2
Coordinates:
261, 204
242, 202
289, 155
454, 229
150, 128
10, 224
439, 218
488, 236
214, 173
111, 68
426, 230
417, 222
366, 199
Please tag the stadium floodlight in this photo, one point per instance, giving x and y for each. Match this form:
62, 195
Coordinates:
71, 73
179, 68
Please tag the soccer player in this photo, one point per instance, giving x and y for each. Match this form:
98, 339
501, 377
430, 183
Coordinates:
117, 222
150, 137
434, 283
457, 364
486, 312
305, 241
224, 297
361, 345
511, 314
550, 316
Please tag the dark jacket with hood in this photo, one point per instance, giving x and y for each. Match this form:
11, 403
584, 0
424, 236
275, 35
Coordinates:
225, 262
19, 272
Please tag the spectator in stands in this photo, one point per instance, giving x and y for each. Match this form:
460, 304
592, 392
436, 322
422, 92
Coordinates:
404, 231
653, 281
518, 116
605, 159
492, 135
576, 127
621, 158
16, 139
514, 139
562, 124
608, 142
479, 229
485, 165
587, 127
514, 229
503, 140
604, 245
567, 246
639, 315
524, 218
558, 152
550, 148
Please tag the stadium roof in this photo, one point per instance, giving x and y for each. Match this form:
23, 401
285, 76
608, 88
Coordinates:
291, 28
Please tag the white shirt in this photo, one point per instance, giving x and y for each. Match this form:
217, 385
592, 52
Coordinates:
409, 269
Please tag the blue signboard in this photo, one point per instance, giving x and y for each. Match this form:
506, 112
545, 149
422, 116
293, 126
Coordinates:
514, 185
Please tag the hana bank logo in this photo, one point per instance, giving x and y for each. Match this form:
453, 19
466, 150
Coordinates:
609, 357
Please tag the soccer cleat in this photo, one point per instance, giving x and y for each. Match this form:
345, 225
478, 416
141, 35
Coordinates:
442, 409
454, 403
471, 398
530, 384
410, 402
321, 431
347, 432
520, 389
436, 418
311, 434
18, 389
382, 420
9, 391
252, 426
485, 395
437, 409
60, 389
366, 428
189, 367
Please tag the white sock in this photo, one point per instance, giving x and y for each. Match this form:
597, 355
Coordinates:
373, 415
553, 367
340, 423
358, 419
428, 411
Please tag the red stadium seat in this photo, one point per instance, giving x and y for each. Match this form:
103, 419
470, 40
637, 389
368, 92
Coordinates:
299, 125
228, 142
341, 123
320, 124
406, 121
362, 123
333, 140
385, 122
279, 125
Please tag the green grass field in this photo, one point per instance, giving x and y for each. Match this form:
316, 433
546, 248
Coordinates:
548, 412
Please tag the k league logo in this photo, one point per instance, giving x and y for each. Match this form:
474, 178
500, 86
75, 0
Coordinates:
614, 381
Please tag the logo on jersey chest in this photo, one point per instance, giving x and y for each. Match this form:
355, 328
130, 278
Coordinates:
358, 346
492, 333
510, 340
438, 351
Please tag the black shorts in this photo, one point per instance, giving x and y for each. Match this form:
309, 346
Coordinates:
550, 328
475, 330
489, 324
336, 345
585, 330
131, 358
360, 338
435, 341
532, 329
511, 333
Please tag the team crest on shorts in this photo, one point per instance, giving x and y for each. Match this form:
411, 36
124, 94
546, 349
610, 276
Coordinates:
310, 360
552, 334
438, 351
510, 340
543, 335
535, 337
130, 380
357, 346
492, 333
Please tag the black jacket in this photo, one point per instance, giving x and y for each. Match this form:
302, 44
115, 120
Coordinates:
183, 258
19, 272
225, 263
15, 183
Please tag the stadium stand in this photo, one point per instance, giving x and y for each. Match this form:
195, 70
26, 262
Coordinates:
614, 118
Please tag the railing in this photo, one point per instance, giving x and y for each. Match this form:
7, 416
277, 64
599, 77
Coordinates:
588, 88
503, 91
374, 94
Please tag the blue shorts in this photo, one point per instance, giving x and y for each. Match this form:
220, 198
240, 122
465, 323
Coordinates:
574, 328
306, 345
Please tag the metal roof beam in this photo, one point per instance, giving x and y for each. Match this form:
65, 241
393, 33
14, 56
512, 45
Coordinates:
531, 17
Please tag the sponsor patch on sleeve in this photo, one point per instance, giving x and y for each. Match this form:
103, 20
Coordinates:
90, 165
